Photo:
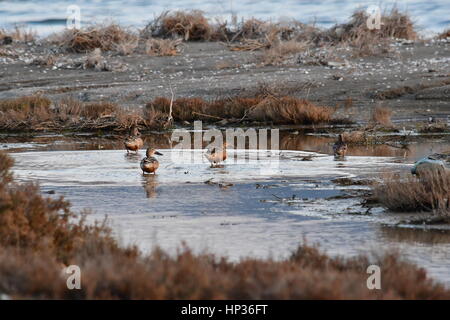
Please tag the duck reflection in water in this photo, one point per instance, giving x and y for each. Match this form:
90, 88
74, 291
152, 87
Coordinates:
150, 182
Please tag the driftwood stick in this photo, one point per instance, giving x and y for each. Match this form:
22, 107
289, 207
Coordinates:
207, 115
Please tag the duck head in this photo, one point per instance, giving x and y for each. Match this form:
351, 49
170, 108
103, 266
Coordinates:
151, 152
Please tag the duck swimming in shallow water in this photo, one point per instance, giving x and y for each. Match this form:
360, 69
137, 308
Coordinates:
340, 147
133, 142
217, 155
149, 164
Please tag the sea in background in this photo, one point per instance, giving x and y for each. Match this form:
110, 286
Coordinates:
46, 17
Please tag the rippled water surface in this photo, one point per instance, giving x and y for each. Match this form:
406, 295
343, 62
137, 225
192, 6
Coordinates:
255, 207
49, 16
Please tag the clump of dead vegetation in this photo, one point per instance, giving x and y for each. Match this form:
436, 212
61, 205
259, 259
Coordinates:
393, 24
364, 41
41, 236
430, 192
163, 47
189, 25
105, 37
38, 113
274, 109
113, 38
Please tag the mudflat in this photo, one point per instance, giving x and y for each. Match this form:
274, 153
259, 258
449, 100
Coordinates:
414, 80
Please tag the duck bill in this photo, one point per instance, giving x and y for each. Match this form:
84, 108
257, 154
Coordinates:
158, 153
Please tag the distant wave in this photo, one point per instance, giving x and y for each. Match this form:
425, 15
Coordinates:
48, 16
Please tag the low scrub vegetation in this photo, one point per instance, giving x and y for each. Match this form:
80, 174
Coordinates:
279, 110
430, 192
38, 113
39, 237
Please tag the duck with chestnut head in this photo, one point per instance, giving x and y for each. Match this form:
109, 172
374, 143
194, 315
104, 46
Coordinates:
134, 141
150, 164
217, 155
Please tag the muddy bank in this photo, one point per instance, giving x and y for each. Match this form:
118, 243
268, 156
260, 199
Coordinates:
414, 82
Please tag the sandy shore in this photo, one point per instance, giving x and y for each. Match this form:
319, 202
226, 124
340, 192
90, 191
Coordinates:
414, 82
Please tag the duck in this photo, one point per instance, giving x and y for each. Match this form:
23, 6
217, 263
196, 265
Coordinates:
340, 147
431, 163
133, 142
150, 164
217, 155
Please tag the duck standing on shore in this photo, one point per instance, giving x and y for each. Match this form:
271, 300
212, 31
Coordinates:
340, 147
217, 155
134, 141
150, 164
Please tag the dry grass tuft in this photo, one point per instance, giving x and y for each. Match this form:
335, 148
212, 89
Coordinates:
190, 25
280, 110
105, 37
398, 25
430, 192
39, 236
381, 116
163, 47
